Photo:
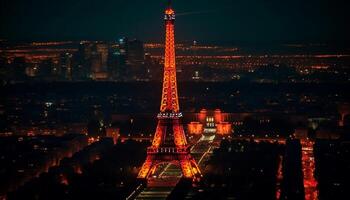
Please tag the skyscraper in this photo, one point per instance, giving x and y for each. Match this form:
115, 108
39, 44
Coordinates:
135, 52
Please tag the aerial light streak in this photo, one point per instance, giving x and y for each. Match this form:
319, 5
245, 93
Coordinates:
196, 12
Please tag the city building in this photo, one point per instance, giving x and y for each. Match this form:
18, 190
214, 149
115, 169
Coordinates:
211, 121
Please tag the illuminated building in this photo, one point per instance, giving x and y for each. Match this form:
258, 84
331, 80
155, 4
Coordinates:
211, 122
308, 167
114, 133
169, 144
195, 128
223, 128
217, 116
202, 115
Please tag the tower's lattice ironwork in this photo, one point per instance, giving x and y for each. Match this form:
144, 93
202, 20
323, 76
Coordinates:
169, 144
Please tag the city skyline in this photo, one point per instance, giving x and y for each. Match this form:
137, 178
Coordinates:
261, 119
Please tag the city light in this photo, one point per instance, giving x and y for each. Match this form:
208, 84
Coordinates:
91, 93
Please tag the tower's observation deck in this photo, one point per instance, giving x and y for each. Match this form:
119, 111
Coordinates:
169, 143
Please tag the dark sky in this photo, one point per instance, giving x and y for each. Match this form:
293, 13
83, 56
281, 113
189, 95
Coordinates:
203, 20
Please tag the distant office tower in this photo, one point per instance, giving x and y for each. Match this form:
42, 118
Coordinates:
99, 58
117, 64
135, 52
96, 62
66, 65
122, 51
97, 71
102, 49
131, 59
123, 45
86, 49
82, 61
133, 49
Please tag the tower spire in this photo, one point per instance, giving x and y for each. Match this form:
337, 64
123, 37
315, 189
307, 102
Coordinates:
169, 102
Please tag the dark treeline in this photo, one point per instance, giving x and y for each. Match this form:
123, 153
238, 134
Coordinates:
241, 170
292, 183
145, 96
333, 169
100, 171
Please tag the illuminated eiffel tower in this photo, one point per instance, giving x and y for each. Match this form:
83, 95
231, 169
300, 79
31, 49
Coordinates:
169, 143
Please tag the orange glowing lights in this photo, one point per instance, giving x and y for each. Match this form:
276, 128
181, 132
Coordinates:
223, 128
186, 168
279, 178
308, 165
202, 115
169, 100
93, 139
145, 169
195, 128
179, 136
217, 116
157, 136
169, 144
169, 11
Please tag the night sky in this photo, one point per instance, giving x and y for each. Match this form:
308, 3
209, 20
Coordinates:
206, 20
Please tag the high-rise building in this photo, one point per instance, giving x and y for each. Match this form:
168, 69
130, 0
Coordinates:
82, 61
66, 65
130, 58
117, 63
99, 58
135, 52
96, 62
102, 49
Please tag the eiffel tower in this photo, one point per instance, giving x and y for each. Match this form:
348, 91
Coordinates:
169, 144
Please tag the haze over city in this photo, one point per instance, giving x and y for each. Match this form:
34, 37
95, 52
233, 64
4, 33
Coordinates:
174, 99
